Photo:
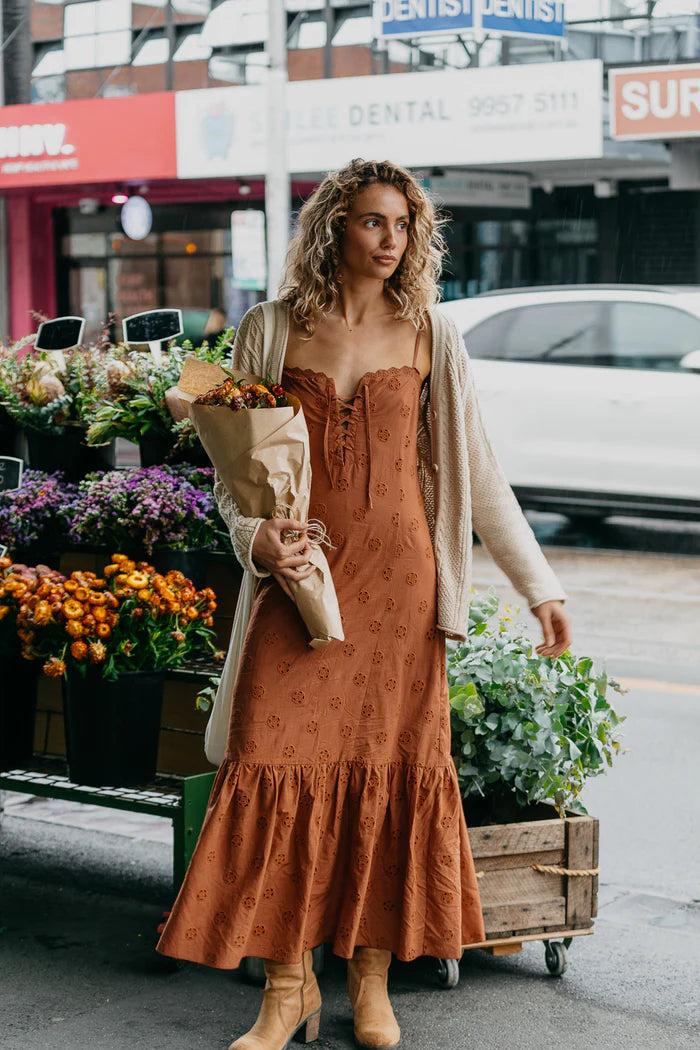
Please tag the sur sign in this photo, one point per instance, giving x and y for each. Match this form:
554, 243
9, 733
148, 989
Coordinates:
529, 18
655, 102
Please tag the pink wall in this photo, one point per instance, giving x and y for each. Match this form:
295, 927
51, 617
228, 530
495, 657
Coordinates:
31, 262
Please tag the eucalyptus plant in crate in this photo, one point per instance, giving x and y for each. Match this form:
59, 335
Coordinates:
525, 728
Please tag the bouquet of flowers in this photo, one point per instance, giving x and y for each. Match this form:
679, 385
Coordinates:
263, 459
147, 508
38, 512
130, 619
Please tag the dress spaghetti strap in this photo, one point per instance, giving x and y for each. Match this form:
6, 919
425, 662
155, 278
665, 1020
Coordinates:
415, 349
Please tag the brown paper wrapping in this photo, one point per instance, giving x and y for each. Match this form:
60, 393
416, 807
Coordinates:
262, 457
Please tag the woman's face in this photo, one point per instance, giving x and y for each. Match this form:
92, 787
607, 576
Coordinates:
376, 232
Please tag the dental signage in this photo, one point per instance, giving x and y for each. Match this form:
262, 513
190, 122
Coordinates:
471, 117
655, 102
529, 18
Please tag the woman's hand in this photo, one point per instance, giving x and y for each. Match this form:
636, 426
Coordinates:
284, 560
556, 628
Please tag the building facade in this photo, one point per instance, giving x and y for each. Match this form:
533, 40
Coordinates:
166, 101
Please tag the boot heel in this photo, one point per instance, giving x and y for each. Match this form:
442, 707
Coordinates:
309, 1029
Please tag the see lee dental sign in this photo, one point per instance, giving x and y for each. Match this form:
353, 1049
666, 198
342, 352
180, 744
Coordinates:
533, 18
655, 102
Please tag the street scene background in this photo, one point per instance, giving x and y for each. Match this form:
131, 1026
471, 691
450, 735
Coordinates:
155, 155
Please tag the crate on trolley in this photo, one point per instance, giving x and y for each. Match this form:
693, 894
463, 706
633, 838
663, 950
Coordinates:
538, 881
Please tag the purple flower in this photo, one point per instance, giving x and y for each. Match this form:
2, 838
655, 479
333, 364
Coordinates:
148, 507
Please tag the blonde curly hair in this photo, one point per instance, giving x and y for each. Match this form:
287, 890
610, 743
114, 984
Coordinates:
311, 283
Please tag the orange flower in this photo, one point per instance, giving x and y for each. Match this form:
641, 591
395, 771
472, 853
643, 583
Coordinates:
192, 613
144, 594
89, 620
109, 570
112, 619
71, 586
72, 609
119, 558
96, 598
137, 580
121, 578
99, 612
42, 613
4, 610
74, 629
97, 652
81, 595
54, 668
103, 630
79, 650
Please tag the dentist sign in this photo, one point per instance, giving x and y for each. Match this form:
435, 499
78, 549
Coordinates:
529, 18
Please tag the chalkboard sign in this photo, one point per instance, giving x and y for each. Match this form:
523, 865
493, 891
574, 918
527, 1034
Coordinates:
63, 333
153, 326
10, 473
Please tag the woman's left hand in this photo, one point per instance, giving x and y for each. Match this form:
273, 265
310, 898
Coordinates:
556, 628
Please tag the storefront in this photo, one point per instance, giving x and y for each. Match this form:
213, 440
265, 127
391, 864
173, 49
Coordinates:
516, 155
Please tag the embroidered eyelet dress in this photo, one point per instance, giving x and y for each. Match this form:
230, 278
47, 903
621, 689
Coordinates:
336, 817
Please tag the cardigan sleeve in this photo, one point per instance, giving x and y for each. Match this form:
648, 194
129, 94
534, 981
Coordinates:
246, 357
497, 517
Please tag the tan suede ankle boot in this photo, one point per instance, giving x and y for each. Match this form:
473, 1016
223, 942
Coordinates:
291, 1007
375, 1024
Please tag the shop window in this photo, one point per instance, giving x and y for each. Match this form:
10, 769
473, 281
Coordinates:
92, 245
97, 34
192, 49
649, 335
153, 53
133, 286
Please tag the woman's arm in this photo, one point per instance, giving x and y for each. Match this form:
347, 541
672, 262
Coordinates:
500, 524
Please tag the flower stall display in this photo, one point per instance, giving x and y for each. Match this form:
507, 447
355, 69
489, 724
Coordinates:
112, 638
20, 587
135, 404
47, 394
35, 519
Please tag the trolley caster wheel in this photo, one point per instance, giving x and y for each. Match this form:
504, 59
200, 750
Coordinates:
448, 973
555, 957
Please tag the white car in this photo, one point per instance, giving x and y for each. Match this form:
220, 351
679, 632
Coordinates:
591, 395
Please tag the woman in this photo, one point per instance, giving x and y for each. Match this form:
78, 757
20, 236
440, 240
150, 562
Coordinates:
336, 816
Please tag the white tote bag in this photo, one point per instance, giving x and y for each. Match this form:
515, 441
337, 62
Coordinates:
216, 734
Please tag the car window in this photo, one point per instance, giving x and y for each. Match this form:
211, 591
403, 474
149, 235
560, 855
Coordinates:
562, 333
649, 335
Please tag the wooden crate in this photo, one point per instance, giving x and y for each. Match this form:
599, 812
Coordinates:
517, 899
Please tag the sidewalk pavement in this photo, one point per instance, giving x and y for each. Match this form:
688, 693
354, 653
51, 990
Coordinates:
79, 905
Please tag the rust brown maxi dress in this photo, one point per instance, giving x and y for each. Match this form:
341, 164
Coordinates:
336, 817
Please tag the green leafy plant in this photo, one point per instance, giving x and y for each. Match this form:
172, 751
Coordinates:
136, 406
526, 728
50, 391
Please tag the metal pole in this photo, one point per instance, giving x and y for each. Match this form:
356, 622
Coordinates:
329, 19
277, 185
170, 36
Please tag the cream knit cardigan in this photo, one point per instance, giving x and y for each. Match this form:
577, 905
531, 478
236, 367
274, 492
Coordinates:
464, 487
